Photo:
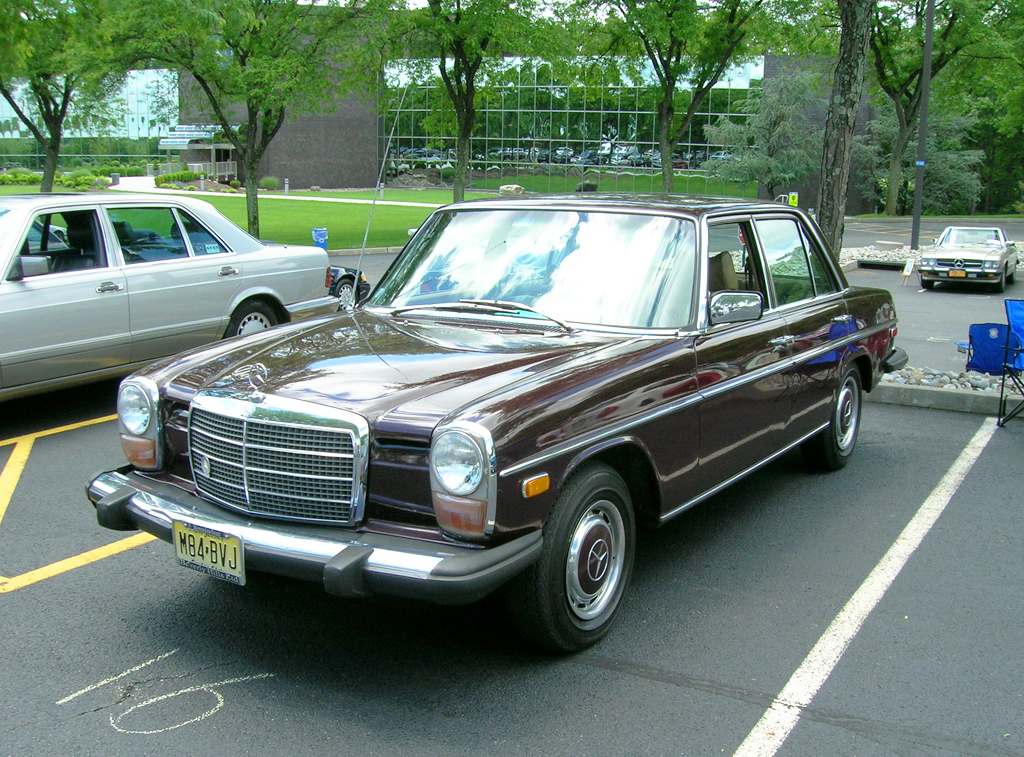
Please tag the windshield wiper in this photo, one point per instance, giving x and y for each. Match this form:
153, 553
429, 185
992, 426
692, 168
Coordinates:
504, 306
491, 307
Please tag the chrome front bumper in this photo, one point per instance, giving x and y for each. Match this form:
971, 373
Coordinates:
348, 563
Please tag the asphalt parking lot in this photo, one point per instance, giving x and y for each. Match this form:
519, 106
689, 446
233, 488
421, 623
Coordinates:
110, 648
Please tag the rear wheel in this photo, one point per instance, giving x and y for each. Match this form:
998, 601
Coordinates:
831, 449
568, 599
251, 317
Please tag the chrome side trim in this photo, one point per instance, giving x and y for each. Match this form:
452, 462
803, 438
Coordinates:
717, 488
719, 388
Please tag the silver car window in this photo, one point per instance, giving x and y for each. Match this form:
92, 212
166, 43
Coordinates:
148, 234
68, 241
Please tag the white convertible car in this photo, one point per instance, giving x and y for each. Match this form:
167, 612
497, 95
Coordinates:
970, 255
93, 285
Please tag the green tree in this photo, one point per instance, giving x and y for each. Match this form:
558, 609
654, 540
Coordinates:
776, 143
49, 70
897, 49
254, 62
690, 45
952, 179
461, 36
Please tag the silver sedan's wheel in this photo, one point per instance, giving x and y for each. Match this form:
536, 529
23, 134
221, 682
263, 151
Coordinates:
569, 598
251, 317
831, 449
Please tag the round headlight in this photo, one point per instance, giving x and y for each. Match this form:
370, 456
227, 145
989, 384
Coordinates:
457, 462
133, 409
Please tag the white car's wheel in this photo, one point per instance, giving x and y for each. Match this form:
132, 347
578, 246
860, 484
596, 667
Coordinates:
251, 317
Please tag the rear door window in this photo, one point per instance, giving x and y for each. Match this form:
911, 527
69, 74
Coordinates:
147, 235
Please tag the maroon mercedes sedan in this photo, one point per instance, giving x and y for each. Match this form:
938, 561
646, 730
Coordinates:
529, 381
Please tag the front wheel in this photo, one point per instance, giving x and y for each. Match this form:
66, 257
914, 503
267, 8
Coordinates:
927, 284
1011, 276
568, 599
831, 449
251, 317
346, 292
1001, 284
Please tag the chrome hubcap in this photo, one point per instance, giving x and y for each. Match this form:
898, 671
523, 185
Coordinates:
593, 568
346, 295
252, 323
847, 414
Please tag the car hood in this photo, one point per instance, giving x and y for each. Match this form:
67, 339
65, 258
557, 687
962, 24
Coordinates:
410, 373
971, 251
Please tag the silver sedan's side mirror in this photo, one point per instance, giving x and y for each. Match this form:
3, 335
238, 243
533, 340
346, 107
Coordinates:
735, 307
25, 266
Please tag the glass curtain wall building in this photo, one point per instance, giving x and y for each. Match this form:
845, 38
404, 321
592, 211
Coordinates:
549, 130
127, 129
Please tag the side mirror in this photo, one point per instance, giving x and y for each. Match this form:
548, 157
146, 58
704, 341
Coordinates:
735, 307
26, 266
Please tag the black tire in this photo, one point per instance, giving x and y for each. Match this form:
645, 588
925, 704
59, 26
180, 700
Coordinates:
1011, 276
927, 284
831, 449
345, 291
1000, 286
251, 317
563, 603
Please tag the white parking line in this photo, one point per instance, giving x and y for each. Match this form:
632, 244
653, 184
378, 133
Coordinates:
781, 718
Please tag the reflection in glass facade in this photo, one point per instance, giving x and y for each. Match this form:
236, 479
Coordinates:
549, 130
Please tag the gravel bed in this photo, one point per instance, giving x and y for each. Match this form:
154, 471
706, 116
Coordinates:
893, 255
952, 380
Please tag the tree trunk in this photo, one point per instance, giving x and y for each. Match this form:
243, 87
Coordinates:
462, 146
892, 193
51, 152
252, 202
847, 88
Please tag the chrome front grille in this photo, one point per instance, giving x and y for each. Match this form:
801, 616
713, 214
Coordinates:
274, 468
967, 265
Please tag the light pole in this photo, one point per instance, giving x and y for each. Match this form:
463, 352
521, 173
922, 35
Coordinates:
922, 134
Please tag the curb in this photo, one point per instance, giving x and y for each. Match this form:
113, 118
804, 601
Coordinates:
982, 403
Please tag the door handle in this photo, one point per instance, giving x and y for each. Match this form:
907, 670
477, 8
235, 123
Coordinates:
109, 286
227, 271
841, 319
782, 341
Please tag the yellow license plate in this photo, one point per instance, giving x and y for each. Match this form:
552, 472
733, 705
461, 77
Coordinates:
214, 553
957, 274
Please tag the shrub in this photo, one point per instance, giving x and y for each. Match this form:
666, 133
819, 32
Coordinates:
168, 178
234, 183
269, 182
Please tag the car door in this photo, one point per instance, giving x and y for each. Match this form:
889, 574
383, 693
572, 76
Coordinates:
807, 293
71, 319
740, 367
181, 278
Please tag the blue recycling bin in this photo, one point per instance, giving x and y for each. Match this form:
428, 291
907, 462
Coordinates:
320, 238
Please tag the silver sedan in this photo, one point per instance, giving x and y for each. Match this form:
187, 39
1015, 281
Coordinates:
94, 285
970, 255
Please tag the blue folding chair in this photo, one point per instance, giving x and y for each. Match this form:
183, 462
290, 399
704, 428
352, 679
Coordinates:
985, 347
1013, 361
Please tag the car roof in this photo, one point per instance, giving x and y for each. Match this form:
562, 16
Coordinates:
68, 199
693, 205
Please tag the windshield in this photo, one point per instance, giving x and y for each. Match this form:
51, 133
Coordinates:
608, 269
970, 236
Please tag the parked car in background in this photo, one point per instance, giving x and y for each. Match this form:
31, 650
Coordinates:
563, 155
970, 255
348, 285
588, 157
94, 285
508, 406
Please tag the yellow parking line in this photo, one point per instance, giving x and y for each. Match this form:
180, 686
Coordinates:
58, 430
41, 574
12, 472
